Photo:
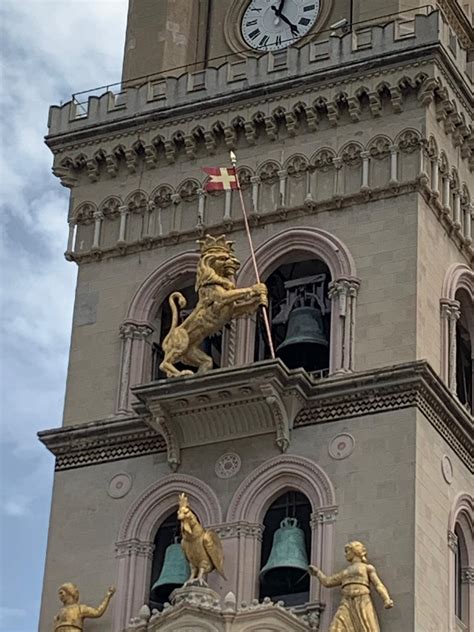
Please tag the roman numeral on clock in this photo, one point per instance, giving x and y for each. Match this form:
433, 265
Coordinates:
254, 34
277, 41
309, 7
304, 21
251, 23
264, 41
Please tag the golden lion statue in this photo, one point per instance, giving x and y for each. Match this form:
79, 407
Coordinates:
218, 302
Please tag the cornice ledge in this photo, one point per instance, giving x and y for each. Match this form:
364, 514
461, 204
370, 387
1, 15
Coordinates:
225, 404
101, 441
409, 385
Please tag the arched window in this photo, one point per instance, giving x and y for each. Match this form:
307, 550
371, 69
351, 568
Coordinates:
300, 315
165, 578
461, 564
162, 324
286, 549
464, 350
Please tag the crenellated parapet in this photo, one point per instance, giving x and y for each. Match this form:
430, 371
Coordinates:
318, 60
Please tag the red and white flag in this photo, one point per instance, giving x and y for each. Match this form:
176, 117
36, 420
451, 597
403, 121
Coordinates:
221, 178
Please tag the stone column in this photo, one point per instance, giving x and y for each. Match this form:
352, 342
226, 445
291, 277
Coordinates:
468, 217
338, 164
132, 367
151, 208
242, 543
446, 195
255, 180
457, 209
282, 174
393, 164
176, 223
450, 313
452, 552
435, 176
123, 210
228, 205
365, 155
71, 240
134, 559
201, 200
343, 294
323, 533
98, 217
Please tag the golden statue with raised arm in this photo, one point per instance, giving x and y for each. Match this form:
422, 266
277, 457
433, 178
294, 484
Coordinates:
219, 302
356, 612
71, 616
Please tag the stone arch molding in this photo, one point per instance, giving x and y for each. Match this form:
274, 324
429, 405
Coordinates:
462, 516
135, 359
458, 277
134, 546
249, 504
318, 243
273, 477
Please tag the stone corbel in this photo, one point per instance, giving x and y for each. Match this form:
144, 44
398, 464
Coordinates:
111, 165
230, 136
250, 132
92, 170
375, 103
271, 127
283, 412
452, 541
65, 175
210, 141
333, 112
397, 99
312, 117
132, 160
151, 156
170, 151
292, 123
354, 109
159, 422
190, 146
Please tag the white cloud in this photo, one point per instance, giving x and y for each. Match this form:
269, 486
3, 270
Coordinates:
49, 50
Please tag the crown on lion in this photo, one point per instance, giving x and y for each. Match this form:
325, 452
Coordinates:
215, 244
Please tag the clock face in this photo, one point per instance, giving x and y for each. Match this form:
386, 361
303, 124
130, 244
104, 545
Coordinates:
276, 24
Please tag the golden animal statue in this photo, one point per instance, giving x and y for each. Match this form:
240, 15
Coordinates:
202, 547
71, 616
219, 301
356, 612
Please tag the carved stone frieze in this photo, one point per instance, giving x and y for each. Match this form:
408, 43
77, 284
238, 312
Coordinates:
216, 410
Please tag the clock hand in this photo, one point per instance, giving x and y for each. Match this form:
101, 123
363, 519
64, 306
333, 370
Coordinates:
293, 27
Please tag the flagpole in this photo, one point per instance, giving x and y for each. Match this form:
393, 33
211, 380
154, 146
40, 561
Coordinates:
233, 159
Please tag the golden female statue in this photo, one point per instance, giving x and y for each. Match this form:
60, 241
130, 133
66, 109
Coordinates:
71, 617
356, 612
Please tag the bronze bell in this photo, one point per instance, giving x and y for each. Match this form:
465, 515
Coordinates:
305, 344
288, 555
174, 572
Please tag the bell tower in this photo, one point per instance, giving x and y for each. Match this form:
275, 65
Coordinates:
355, 157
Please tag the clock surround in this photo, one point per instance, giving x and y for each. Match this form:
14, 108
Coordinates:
233, 27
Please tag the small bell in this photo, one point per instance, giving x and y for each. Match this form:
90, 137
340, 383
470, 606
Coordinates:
288, 555
305, 344
174, 572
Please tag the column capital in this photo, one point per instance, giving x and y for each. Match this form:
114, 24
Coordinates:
324, 515
452, 541
343, 287
467, 575
135, 548
282, 173
255, 179
135, 331
451, 310
98, 215
123, 209
175, 198
239, 529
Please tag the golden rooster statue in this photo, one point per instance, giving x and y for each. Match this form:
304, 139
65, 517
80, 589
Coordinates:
202, 547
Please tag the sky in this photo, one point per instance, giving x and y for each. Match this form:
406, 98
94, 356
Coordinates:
49, 50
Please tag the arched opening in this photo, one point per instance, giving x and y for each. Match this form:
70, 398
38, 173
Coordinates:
168, 569
464, 350
300, 315
286, 549
162, 323
461, 590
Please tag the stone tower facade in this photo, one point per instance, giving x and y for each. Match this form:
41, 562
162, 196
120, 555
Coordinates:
355, 147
